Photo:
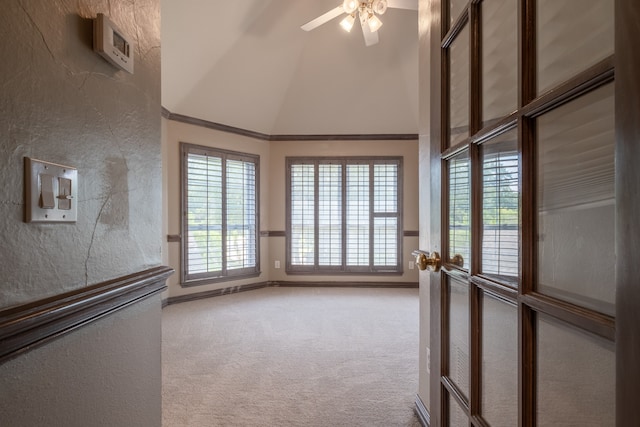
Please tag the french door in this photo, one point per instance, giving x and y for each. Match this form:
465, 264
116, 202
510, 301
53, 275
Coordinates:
526, 210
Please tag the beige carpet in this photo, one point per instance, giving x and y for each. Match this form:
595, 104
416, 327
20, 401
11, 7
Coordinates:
292, 357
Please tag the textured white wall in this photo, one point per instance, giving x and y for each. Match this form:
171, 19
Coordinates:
61, 102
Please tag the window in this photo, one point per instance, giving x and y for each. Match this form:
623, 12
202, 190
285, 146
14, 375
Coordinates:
500, 207
344, 215
220, 215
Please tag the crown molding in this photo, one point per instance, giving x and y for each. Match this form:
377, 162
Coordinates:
265, 137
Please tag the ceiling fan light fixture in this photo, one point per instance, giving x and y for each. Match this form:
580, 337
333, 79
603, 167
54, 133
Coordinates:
347, 23
379, 6
374, 23
350, 6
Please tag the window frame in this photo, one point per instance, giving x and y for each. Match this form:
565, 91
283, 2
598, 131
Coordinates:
344, 268
195, 279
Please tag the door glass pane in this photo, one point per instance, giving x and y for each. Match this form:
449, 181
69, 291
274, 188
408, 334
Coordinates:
576, 209
457, 415
500, 207
499, 59
459, 206
572, 35
459, 335
575, 377
499, 376
459, 87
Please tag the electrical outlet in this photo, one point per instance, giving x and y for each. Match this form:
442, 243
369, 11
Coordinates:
411, 265
277, 264
428, 360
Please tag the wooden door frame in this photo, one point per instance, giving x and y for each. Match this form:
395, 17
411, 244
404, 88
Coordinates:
434, 35
627, 179
627, 100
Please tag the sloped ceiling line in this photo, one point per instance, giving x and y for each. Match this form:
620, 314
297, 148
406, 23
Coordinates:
249, 65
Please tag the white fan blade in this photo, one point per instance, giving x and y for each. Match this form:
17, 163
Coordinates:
324, 18
369, 37
403, 4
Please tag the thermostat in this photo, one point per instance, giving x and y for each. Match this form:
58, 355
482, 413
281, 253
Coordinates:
112, 44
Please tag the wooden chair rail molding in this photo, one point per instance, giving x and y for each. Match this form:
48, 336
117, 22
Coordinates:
26, 326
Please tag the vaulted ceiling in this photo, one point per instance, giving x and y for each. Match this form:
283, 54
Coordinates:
247, 64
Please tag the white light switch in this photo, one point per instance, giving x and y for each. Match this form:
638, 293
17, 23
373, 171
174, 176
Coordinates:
51, 192
64, 194
46, 191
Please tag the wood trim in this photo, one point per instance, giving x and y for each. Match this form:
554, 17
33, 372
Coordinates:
411, 233
216, 292
173, 238
496, 288
475, 73
455, 149
212, 125
334, 284
497, 127
422, 412
261, 285
277, 233
348, 137
627, 184
526, 366
592, 78
266, 137
455, 392
438, 140
221, 279
27, 326
527, 53
455, 29
583, 318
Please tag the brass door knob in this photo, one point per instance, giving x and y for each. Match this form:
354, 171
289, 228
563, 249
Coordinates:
457, 260
426, 260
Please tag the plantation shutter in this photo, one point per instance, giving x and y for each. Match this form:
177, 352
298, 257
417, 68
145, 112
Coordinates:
303, 214
241, 215
344, 215
204, 215
330, 214
385, 215
220, 218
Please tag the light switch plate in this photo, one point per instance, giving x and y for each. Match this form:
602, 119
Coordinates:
40, 180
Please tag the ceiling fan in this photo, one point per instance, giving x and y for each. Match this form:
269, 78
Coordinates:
368, 12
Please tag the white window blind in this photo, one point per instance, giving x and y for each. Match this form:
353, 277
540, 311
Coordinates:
220, 215
500, 207
460, 207
344, 215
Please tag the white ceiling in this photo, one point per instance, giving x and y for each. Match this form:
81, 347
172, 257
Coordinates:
247, 64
